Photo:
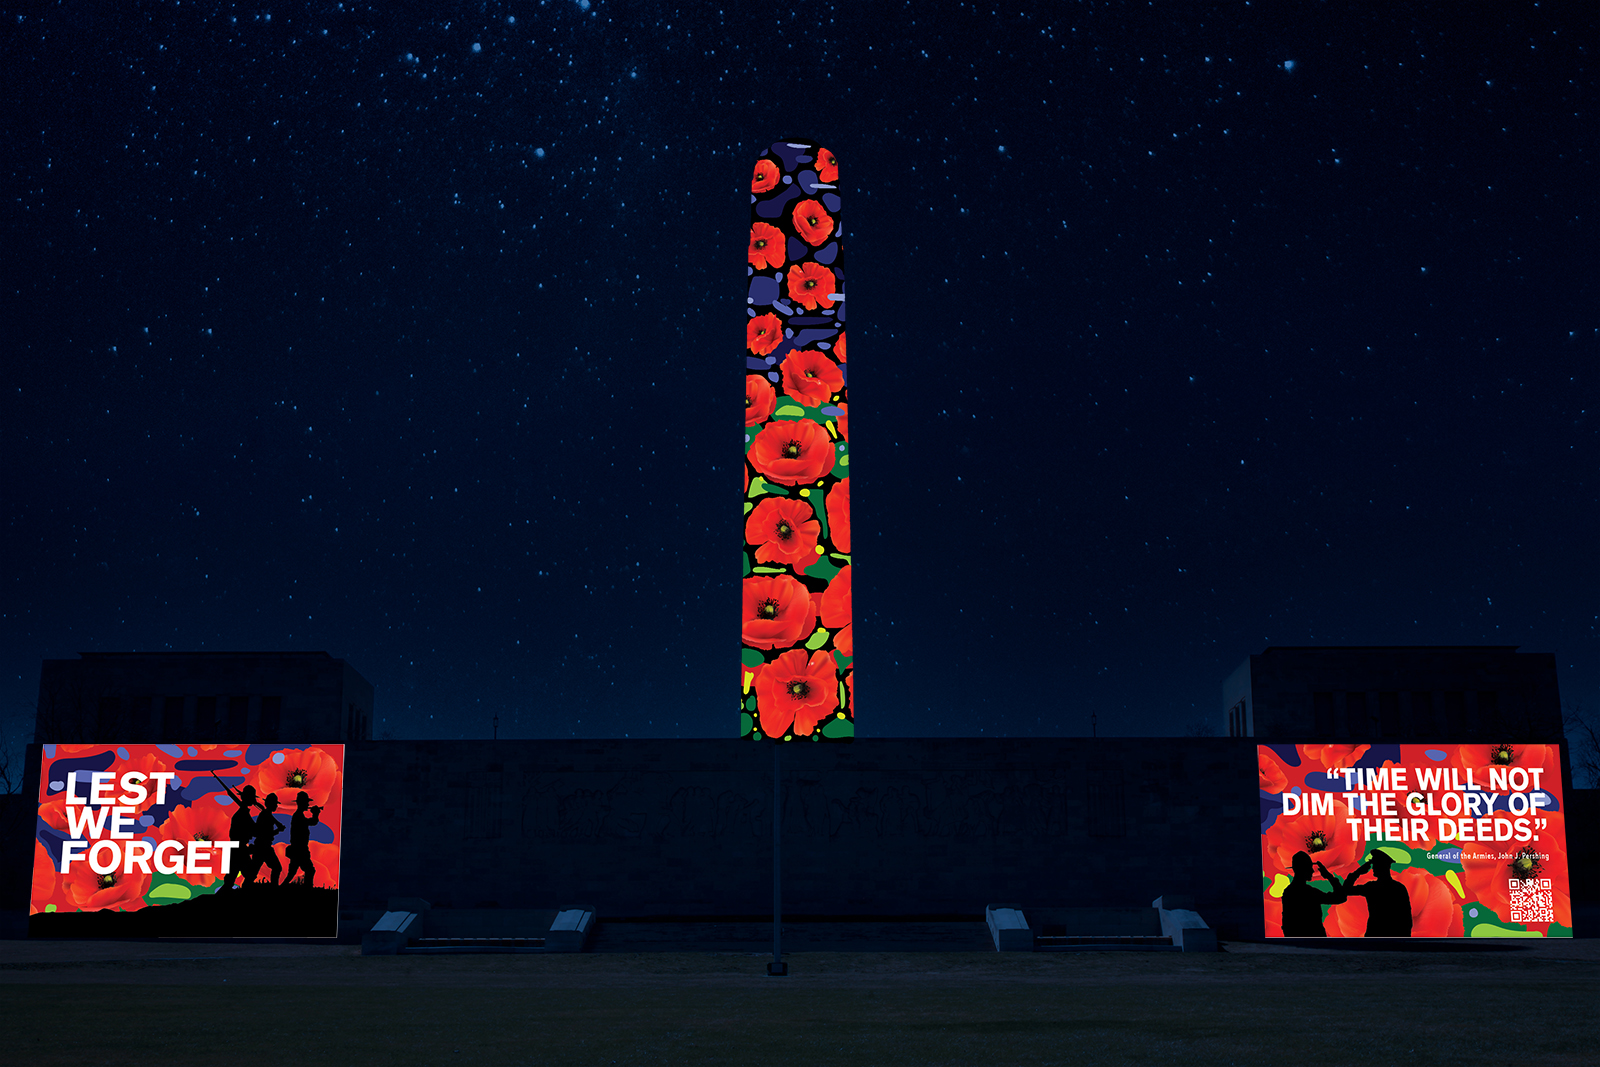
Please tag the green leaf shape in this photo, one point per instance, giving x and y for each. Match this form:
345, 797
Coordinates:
822, 568
759, 485
820, 506
746, 564
770, 570
169, 891
844, 459
751, 702
748, 507
745, 723
751, 657
817, 640
1491, 930
49, 908
839, 728
790, 411
842, 660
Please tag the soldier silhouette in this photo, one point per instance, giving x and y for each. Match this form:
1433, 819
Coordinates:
1388, 903
1302, 901
261, 851
241, 828
299, 850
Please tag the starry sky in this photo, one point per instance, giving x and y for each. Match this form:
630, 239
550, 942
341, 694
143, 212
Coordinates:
415, 334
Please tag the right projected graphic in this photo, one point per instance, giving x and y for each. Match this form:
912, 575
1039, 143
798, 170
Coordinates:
1413, 841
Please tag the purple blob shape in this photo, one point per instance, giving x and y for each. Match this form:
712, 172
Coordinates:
790, 157
763, 290
806, 337
772, 208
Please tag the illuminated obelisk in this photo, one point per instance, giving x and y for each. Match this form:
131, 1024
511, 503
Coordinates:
796, 680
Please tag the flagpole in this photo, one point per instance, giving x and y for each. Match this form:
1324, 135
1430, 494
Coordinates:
777, 967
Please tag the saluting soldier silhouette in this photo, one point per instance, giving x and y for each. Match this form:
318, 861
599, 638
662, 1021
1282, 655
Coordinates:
241, 828
1302, 901
299, 850
262, 851
1388, 903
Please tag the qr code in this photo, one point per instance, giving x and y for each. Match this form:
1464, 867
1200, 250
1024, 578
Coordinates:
1532, 901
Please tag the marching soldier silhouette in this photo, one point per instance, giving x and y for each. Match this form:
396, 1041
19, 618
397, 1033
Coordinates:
261, 851
300, 838
241, 828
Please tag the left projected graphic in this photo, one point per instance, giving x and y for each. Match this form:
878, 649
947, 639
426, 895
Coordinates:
187, 841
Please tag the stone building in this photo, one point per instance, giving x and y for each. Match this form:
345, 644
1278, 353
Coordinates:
1394, 693
200, 697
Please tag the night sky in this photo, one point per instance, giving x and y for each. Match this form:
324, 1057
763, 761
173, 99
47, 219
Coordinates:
415, 335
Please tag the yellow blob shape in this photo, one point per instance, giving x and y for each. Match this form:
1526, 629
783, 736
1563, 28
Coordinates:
805, 492
749, 676
1280, 882
819, 550
1455, 883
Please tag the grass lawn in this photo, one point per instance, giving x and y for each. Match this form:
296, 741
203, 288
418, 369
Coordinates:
1324, 1009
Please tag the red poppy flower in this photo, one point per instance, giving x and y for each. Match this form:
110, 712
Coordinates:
1333, 757
838, 348
54, 812
310, 770
792, 452
1487, 878
811, 377
845, 640
1326, 838
324, 857
1480, 759
766, 246
1271, 774
763, 333
809, 285
89, 891
44, 880
796, 693
766, 176
812, 223
204, 820
839, 515
785, 531
778, 612
836, 600
759, 400
844, 421
827, 166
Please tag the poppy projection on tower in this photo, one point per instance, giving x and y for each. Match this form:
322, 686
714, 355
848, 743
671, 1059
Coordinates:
796, 678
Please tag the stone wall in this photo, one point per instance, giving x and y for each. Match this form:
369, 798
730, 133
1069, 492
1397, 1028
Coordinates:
885, 827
